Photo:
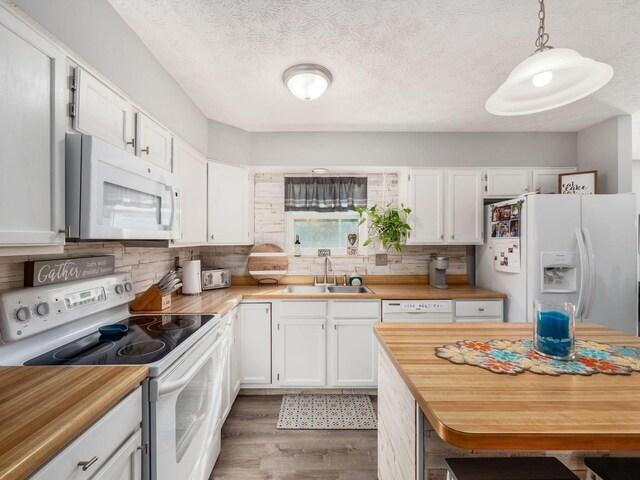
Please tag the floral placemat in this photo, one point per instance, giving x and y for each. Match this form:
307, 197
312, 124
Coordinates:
517, 356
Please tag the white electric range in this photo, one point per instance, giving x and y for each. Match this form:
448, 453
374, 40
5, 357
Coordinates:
58, 325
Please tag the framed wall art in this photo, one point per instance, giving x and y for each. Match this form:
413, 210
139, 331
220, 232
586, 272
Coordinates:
578, 183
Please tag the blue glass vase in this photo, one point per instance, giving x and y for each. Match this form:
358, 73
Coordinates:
554, 329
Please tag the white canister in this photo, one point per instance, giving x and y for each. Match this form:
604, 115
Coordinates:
191, 278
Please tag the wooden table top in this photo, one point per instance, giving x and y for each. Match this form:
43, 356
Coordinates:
223, 300
42, 409
473, 408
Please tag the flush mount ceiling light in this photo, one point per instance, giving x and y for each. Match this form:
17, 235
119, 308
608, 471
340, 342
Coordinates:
549, 78
320, 170
307, 81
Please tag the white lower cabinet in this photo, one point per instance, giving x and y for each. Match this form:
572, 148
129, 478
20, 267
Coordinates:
235, 354
225, 406
325, 343
353, 353
303, 352
108, 450
255, 343
483, 310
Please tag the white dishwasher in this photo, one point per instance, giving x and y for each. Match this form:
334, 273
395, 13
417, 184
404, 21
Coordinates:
417, 311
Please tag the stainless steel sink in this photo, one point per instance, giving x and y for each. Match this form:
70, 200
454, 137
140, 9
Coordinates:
321, 289
348, 289
305, 289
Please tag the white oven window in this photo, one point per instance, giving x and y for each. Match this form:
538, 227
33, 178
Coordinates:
124, 207
192, 407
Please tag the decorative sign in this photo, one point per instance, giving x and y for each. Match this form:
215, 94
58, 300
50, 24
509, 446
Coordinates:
46, 272
352, 241
578, 183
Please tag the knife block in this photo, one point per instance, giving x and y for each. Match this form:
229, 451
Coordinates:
151, 300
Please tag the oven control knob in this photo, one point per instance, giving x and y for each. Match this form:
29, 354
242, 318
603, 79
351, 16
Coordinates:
42, 309
119, 289
128, 286
23, 314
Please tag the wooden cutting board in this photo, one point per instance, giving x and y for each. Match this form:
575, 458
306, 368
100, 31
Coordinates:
268, 262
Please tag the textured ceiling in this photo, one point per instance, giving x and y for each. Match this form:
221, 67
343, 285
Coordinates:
398, 65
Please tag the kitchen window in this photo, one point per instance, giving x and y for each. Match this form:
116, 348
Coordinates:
321, 211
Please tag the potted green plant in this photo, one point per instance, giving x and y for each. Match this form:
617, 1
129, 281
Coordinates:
388, 225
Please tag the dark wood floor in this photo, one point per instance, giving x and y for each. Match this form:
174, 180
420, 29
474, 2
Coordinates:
252, 447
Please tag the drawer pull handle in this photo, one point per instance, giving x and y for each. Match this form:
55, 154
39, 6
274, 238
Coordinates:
481, 309
85, 465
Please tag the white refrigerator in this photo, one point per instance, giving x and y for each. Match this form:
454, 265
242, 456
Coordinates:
576, 248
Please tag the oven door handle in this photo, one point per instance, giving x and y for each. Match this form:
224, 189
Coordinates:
165, 389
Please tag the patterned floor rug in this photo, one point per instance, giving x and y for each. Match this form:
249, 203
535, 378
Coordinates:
327, 412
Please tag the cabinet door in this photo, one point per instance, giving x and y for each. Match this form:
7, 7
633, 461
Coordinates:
102, 112
153, 142
126, 463
464, 207
229, 204
191, 169
235, 355
545, 180
354, 353
226, 373
426, 200
255, 343
303, 352
32, 116
507, 183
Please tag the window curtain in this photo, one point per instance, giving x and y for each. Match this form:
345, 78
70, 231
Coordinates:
324, 194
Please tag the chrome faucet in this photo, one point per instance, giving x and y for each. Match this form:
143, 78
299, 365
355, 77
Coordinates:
327, 268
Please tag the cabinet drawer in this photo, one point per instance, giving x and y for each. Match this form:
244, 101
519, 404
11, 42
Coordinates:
302, 309
101, 440
359, 309
481, 308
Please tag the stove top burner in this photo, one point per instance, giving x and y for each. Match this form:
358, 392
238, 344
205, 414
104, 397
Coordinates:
141, 348
84, 350
173, 324
149, 339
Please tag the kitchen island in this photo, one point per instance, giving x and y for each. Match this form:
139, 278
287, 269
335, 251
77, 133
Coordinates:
430, 408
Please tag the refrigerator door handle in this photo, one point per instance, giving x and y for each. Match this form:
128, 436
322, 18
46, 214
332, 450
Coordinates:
592, 271
583, 272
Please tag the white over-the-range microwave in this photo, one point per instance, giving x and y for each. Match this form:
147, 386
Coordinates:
113, 195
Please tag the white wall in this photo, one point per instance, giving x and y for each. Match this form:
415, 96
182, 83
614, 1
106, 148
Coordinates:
93, 30
606, 147
228, 144
414, 149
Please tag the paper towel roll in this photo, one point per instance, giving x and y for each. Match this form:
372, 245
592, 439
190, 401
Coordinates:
191, 277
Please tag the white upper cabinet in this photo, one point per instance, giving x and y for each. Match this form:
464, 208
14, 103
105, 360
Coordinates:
191, 168
102, 112
153, 142
426, 200
230, 205
446, 206
464, 207
545, 180
32, 129
508, 183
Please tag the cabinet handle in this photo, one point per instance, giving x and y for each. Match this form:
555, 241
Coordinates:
481, 309
323, 326
132, 142
145, 150
442, 237
211, 236
66, 230
85, 465
453, 237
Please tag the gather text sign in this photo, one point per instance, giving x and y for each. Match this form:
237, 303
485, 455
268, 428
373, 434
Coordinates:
46, 272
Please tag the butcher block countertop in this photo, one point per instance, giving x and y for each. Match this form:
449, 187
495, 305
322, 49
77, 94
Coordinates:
42, 409
473, 408
223, 300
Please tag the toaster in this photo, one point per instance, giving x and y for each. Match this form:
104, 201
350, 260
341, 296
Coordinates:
215, 278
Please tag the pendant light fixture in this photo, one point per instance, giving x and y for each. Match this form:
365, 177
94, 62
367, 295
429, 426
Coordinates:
549, 78
307, 81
